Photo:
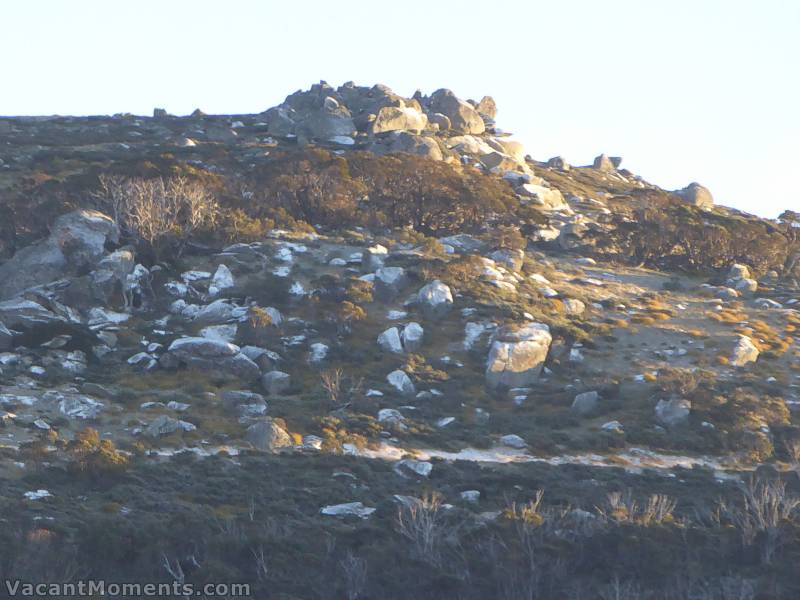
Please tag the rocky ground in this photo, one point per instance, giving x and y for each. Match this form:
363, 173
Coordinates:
377, 366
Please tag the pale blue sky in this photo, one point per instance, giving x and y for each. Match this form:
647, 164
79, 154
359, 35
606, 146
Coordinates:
683, 90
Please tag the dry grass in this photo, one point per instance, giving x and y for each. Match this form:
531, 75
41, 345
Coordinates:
727, 315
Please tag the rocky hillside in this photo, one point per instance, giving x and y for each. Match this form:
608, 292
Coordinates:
364, 346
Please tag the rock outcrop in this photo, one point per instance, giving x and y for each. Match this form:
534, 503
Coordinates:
76, 243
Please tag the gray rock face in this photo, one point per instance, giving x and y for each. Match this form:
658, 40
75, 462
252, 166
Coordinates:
435, 299
76, 242
210, 354
463, 117
27, 313
275, 382
672, 412
517, 355
268, 436
744, 352
697, 195
585, 403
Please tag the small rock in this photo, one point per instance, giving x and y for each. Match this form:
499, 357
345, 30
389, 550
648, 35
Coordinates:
513, 441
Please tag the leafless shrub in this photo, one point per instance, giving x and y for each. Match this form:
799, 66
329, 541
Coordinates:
332, 384
159, 210
421, 524
515, 580
793, 451
761, 518
175, 570
623, 508
622, 590
261, 564
354, 570
658, 510
340, 389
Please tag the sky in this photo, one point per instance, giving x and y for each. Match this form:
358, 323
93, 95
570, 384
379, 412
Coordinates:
683, 90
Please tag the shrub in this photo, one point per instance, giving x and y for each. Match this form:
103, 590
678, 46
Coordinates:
161, 213
89, 454
763, 515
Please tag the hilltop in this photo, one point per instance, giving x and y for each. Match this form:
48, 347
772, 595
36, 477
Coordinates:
361, 345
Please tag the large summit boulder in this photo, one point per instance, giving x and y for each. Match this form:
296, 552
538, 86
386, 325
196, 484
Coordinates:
487, 108
463, 117
517, 355
696, 195
604, 163
316, 113
76, 243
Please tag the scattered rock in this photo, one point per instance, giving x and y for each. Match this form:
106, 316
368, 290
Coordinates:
165, 425
210, 355
435, 299
672, 412
412, 337
411, 467
517, 355
275, 382
745, 351
389, 341
585, 403
512, 440
349, 509
267, 435
401, 382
